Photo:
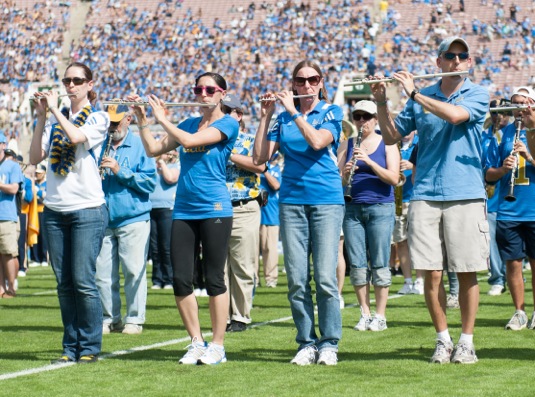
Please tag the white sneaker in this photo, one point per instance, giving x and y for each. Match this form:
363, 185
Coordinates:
328, 357
271, 284
132, 329
214, 354
377, 324
464, 353
21, 273
364, 321
306, 356
34, 264
195, 351
406, 289
204, 293
44, 264
167, 286
518, 322
342, 302
197, 292
496, 290
443, 352
452, 301
418, 288
156, 286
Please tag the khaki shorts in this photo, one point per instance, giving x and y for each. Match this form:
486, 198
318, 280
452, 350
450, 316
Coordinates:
452, 235
400, 228
9, 238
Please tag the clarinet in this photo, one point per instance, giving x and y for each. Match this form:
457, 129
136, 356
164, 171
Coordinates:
511, 195
347, 192
106, 153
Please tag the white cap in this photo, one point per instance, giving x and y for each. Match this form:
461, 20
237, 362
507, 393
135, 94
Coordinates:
366, 106
524, 91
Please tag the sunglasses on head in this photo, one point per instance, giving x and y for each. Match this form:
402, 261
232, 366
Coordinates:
363, 116
210, 90
312, 80
463, 56
75, 80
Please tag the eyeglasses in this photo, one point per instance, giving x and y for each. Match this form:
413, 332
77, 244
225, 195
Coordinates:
75, 80
210, 90
463, 56
312, 80
365, 116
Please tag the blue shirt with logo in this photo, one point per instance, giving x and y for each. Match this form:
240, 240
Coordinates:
310, 177
450, 156
10, 172
164, 193
202, 191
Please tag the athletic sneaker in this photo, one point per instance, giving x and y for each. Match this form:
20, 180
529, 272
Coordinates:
365, 320
464, 353
377, 324
132, 329
306, 356
195, 351
88, 359
452, 301
213, 355
328, 357
442, 353
418, 287
531, 324
406, 289
109, 327
518, 321
496, 290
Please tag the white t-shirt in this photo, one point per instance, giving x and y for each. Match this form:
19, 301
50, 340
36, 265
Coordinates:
82, 186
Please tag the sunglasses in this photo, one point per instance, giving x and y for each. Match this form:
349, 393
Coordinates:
312, 80
463, 56
365, 116
210, 90
75, 80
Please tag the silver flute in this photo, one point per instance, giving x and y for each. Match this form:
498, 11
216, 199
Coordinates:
502, 109
391, 79
167, 104
295, 96
36, 98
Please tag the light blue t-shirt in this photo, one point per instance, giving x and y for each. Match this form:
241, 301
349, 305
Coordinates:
202, 192
522, 209
406, 155
10, 172
449, 163
310, 177
164, 193
270, 213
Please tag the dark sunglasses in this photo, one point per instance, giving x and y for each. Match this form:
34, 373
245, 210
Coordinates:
75, 80
463, 56
210, 90
365, 116
312, 80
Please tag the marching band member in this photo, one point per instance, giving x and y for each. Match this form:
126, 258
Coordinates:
448, 189
311, 205
203, 211
515, 227
370, 216
75, 215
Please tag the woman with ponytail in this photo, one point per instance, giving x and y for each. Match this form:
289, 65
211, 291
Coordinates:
75, 215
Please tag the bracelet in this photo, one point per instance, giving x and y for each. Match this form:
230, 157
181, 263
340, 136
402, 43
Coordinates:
143, 126
298, 114
414, 92
265, 169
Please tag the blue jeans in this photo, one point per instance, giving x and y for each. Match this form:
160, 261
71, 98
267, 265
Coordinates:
161, 221
305, 230
497, 265
368, 228
75, 238
127, 245
454, 283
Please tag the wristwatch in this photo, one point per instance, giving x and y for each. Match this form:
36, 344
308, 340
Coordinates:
414, 92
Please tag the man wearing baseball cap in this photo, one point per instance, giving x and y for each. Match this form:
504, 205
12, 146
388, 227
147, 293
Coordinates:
129, 175
511, 163
10, 180
449, 189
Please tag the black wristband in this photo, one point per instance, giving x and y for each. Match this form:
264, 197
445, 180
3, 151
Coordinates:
265, 169
414, 92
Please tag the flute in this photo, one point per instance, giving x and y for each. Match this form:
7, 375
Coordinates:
36, 98
168, 104
509, 108
295, 96
390, 79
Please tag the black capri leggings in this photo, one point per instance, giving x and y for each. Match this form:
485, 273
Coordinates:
213, 234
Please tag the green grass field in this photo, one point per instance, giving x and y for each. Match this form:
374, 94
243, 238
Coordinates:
391, 363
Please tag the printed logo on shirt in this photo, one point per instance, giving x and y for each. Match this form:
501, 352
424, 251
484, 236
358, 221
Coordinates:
218, 207
125, 163
198, 149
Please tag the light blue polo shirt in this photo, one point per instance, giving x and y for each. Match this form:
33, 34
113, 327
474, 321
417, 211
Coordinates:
10, 172
449, 165
310, 177
202, 191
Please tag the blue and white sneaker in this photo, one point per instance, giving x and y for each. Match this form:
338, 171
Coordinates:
213, 355
195, 351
